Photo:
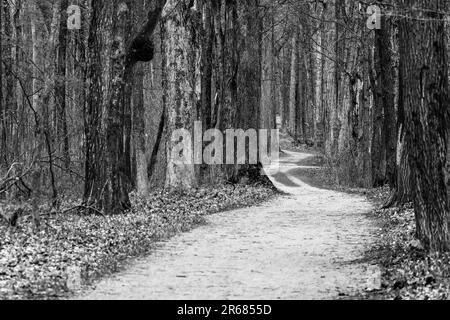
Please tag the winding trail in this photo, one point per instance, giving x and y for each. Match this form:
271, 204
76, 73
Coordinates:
303, 245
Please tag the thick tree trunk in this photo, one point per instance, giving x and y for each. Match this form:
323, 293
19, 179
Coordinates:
425, 95
179, 87
94, 170
249, 79
108, 167
387, 78
384, 139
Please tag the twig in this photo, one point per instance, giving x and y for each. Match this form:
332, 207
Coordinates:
83, 207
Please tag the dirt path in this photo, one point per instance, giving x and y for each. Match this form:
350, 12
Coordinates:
299, 246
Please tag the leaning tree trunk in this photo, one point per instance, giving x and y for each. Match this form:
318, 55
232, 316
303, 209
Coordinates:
425, 91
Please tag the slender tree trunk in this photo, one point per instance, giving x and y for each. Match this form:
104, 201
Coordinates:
267, 72
302, 94
62, 131
402, 192
293, 95
10, 101
378, 141
339, 81
142, 177
318, 85
285, 81
206, 101
207, 64
3, 150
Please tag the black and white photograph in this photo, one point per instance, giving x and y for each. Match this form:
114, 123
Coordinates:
258, 151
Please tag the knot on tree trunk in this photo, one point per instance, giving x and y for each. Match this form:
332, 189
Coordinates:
142, 49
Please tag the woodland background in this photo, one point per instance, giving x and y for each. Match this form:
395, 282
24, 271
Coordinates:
88, 114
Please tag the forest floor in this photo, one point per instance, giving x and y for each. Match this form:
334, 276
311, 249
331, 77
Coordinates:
306, 244
407, 271
72, 250
316, 240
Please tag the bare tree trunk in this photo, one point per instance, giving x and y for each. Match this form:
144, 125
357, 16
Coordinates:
402, 192
423, 54
285, 81
318, 85
384, 140
10, 102
207, 64
36, 176
267, 72
3, 152
302, 94
179, 91
94, 153
248, 114
339, 82
108, 176
293, 96
62, 131
142, 177
387, 79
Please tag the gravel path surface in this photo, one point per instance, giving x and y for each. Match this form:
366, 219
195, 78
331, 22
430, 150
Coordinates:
302, 245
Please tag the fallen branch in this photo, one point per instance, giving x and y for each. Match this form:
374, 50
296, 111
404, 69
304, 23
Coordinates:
85, 208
